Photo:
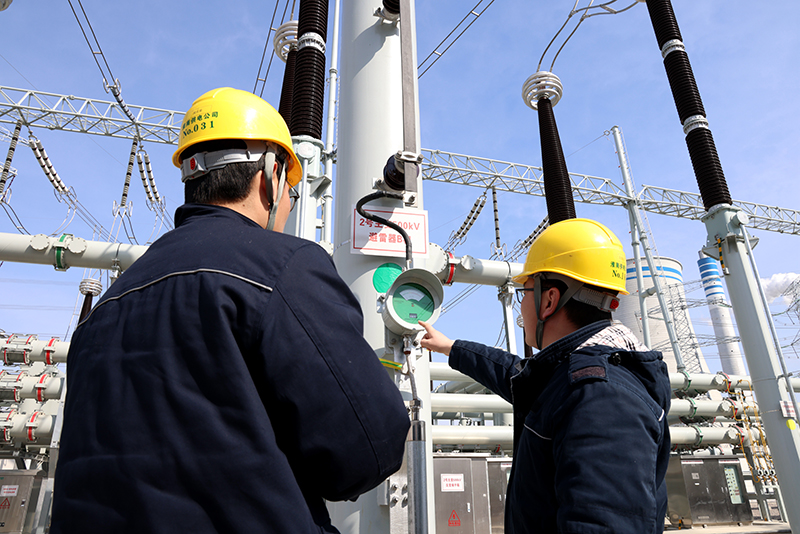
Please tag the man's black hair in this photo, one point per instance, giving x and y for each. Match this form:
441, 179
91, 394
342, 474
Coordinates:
232, 182
579, 313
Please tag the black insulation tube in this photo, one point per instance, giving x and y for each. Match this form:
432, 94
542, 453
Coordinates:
707, 168
85, 308
684, 88
287, 90
700, 142
309, 79
309, 93
392, 6
557, 185
664, 22
313, 17
399, 229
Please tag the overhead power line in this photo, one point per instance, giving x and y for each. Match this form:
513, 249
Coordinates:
440, 49
586, 12
266, 46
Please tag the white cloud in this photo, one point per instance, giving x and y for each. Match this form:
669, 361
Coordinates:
776, 284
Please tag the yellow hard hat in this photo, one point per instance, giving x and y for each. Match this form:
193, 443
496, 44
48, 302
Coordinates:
227, 113
581, 249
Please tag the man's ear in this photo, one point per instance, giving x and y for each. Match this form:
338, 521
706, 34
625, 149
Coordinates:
550, 298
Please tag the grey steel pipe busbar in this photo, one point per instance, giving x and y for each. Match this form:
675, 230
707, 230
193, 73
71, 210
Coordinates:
491, 436
67, 251
678, 381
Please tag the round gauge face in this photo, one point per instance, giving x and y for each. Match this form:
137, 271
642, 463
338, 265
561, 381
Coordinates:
412, 303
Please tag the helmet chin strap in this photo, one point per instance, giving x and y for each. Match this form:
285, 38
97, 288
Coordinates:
269, 165
573, 286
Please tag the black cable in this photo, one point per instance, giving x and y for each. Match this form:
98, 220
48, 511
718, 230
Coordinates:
369, 216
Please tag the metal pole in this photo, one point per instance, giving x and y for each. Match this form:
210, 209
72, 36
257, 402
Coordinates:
506, 297
637, 262
408, 64
655, 274
726, 238
301, 226
330, 128
370, 129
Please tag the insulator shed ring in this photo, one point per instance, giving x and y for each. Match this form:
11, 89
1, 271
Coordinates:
285, 39
540, 85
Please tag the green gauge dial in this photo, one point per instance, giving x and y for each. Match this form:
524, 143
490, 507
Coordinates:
413, 303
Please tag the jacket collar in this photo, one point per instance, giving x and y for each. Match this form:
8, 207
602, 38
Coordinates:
569, 343
189, 212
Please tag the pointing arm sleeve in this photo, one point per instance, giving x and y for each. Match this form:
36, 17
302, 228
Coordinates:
489, 366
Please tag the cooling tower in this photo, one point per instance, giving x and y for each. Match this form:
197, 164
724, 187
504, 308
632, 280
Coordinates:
729, 353
671, 282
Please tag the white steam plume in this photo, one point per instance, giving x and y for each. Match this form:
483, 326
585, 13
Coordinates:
776, 284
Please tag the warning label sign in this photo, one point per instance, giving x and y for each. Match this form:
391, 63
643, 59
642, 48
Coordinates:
452, 482
454, 521
5, 503
373, 238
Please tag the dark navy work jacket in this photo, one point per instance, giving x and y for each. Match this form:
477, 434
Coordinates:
223, 384
591, 438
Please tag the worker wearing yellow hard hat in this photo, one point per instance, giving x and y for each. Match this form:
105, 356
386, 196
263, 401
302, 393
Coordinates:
231, 114
577, 253
223, 382
591, 438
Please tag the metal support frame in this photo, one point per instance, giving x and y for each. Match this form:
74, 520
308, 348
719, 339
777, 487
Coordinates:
99, 117
88, 115
655, 273
725, 223
448, 167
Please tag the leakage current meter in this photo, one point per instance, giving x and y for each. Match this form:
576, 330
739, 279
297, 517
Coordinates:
415, 295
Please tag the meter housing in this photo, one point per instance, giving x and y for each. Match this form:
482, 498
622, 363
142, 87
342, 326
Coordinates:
415, 295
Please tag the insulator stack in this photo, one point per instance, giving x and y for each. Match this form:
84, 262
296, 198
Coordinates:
151, 179
143, 175
459, 235
557, 185
700, 142
115, 90
309, 87
541, 91
285, 44
47, 167
124, 200
7, 166
496, 219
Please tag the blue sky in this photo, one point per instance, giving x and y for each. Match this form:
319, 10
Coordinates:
165, 54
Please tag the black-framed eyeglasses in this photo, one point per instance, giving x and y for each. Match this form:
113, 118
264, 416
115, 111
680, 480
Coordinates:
293, 196
521, 293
